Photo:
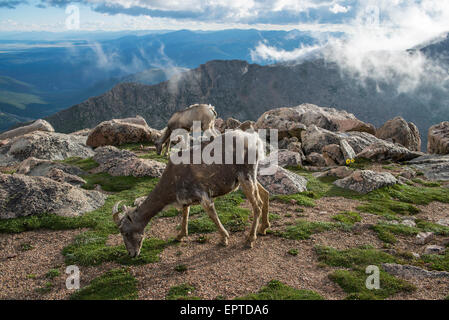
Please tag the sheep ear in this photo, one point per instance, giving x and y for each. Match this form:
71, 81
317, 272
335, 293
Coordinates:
116, 214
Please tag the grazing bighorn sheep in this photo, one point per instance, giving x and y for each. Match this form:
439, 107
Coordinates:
183, 185
205, 113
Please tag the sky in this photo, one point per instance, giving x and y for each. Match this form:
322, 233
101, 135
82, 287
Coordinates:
114, 15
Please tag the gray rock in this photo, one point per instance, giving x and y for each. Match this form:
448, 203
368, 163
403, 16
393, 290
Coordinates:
412, 271
364, 181
443, 222
38, 167
347, 150
438, 138
285, 158
408, 223
434, 167
118, 162
120, 131
399, 131
333, 155
339, 172
287, 119
22, 195
61, 176
38, 125
316, 159
424, 237
383, 150
282, 182
433, 249
44, 145
232, 123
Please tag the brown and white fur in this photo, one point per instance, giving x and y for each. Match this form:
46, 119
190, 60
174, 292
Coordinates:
205, 113
183, 185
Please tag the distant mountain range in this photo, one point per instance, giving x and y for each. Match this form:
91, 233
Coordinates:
60, 71
244, 91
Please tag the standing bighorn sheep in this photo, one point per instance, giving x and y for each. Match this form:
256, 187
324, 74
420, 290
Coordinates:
205, 113
183, 185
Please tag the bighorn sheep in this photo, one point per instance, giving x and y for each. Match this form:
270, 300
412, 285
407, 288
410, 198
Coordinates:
205, 113
183, 185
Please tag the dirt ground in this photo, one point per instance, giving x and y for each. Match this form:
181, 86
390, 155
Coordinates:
212, 269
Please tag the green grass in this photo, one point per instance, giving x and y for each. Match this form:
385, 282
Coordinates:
90, 249
437, 262
19, 100
303, 229
232, 216
84, 164
26, 246
388, 202
348, 217
428, 226
110, 183
386, 232
354, 257
301, 199
276, 290
353, 282
181, 268
293, 252
53, 273
116, 284
431, 184
45, 289
181, 292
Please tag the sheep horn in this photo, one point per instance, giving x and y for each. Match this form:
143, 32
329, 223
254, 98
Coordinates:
115, 213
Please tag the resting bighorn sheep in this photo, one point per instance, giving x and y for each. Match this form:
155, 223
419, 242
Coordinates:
183, 185
205, 113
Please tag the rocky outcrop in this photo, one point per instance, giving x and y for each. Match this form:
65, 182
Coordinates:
120, 131
438, 138
118, 162
333, 155
364, 181
44, 145
383, 150
232, 123
288, 120
282, 181
22, 195
38, 125
434, 167
398, 130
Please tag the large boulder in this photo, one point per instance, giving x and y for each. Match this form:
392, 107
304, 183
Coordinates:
285, 158
44, 145
38, 167
364, 181
120, 131
62, 176
118, 162
281, 181
438, 138
434, 167
398, 130
38, 125
22, 195
333, 155
291, 121
384, 150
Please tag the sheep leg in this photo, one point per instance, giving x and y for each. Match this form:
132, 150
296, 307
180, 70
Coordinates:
209, 207
251, 192
167, 149
265, 196
184, 225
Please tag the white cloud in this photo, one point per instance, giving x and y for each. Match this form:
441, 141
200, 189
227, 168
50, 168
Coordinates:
336, 8
377, 40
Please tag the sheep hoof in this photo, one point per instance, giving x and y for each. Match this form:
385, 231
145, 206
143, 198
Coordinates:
179, 237
224, 242
250, 244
